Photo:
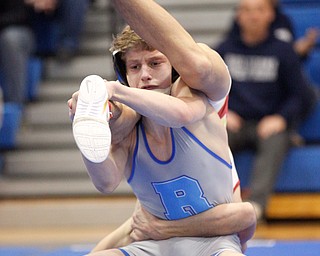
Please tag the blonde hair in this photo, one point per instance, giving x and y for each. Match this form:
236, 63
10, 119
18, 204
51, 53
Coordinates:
127, 40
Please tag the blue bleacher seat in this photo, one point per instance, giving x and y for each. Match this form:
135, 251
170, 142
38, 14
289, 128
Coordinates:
303, 16
303, 2
312, 66
13, 112
310, 129
10, 125
34, 77
33, 80
300, 171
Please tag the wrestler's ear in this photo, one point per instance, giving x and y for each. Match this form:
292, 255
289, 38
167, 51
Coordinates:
174, 75
119, 67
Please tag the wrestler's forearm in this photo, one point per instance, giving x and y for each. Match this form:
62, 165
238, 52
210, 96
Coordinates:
122, 122
223, 219
164, 109
118, 238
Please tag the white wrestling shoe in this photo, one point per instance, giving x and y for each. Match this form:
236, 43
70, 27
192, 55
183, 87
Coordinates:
90, 124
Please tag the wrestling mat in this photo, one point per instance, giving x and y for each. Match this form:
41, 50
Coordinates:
255, 248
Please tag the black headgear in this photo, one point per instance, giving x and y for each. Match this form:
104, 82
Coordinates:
120, 69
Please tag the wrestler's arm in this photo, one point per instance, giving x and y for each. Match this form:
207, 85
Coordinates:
118, 238
224, 219
185, 107
106, 176
122, 122
247, 233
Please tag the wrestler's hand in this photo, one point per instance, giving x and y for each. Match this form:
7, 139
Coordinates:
72, 104
145, 226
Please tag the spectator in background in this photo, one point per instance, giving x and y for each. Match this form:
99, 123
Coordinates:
16, 46
283, 29
1, 122
267, 97
1, 109
69, 15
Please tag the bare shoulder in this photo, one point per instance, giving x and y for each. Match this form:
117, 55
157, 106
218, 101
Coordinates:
212, 133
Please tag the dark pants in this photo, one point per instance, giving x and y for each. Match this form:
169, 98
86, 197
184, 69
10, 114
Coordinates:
269, 156
16, 47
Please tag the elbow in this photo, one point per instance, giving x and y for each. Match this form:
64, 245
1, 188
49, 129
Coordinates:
186, 118
105, 188
251, 214
182, 118
215, 74
104, 180
202, 70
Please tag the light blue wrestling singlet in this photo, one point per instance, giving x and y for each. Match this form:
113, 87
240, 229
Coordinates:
179, 188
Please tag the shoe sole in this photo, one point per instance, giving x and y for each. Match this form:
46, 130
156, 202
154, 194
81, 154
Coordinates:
90, 127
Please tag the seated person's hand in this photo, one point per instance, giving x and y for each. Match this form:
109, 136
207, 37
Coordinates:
234, 121
304, 45
271, 125
46, 6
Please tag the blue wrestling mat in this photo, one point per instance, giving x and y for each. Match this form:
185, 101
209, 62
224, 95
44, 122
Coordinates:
255, 248
74, 250
283, 248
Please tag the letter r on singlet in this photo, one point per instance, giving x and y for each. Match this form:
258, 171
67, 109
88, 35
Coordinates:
181, 197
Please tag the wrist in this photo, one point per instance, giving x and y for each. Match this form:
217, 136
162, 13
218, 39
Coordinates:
169, 229
115, 109
164, 228
110, 110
